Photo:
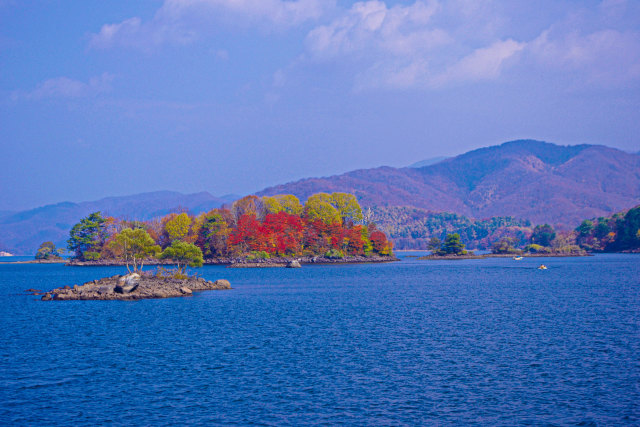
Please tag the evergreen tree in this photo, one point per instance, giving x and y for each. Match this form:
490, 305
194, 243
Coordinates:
543, 235
87, 237
452, 245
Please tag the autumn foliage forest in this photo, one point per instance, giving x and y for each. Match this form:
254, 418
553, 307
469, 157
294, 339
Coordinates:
330, 225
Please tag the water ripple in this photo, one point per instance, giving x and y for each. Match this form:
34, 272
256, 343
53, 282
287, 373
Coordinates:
403, 344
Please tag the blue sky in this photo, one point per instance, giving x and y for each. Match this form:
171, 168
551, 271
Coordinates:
101, 98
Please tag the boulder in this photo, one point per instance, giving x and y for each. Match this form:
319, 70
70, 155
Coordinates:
123, 288
185, 290
127, 284
222, 284
294, 264
129, 279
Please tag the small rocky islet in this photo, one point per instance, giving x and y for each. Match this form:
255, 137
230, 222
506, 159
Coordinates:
133, 286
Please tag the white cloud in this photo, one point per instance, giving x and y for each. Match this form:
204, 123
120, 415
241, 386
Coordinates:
429, 45
64, 87
605, 57
424, 44
373, 27
183, 21
483, 63
402, 47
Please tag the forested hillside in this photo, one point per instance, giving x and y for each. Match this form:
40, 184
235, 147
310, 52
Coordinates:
539, 181
411, 228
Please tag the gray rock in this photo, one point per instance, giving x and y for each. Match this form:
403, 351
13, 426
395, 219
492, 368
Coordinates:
294, 264
102, 290
127, 284
185, 290
222, 284
129, 279
123, 288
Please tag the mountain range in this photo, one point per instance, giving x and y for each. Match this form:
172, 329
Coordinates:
525, 179
534, 180
22, 232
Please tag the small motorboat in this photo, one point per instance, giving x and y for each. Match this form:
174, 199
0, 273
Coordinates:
517, 258
542, 267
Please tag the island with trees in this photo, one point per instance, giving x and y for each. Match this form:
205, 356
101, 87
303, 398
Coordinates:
451, 248
253, 231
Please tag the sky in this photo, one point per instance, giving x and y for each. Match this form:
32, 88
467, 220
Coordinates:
104, 98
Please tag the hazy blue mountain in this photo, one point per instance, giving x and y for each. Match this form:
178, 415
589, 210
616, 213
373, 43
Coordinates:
22, 232
6, 213
527, 179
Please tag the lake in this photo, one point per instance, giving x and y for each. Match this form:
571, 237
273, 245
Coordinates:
492, 341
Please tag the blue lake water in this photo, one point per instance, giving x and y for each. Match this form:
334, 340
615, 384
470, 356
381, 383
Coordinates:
414, 342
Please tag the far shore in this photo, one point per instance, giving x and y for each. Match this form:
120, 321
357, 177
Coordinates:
38, 261
483, 256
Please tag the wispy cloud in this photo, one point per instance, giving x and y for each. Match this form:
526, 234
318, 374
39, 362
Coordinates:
605, 57
403, 47
482, 64
183, 21
430, 44
65, 87
371, 28
427, 44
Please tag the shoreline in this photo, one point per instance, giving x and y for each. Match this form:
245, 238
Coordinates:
485, 256
246, 263
38, 261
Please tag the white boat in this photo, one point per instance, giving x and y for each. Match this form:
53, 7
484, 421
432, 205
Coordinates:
517, 258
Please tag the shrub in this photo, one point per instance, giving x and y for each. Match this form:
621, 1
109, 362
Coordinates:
258, 255
536, 249
334, 254
91, 256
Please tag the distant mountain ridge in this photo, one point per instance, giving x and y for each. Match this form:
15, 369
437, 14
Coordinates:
528, 179
22, 232
525, 179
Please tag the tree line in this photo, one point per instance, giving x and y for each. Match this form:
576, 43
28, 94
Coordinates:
620, 232
329, 225
411, 228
